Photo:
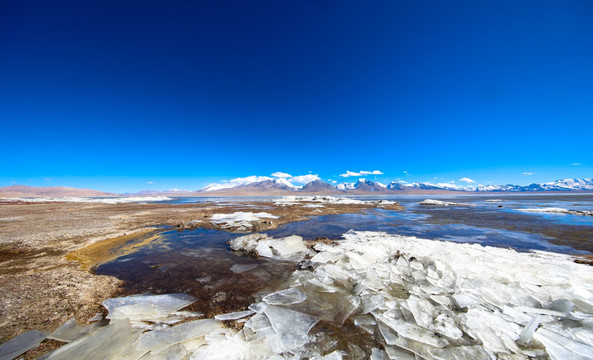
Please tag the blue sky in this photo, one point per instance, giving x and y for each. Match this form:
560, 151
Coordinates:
124, 97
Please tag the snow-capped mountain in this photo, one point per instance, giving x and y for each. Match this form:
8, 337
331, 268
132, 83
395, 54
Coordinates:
369, 186
558, 185
345, 186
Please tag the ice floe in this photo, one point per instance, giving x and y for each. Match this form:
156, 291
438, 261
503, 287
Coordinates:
240, 220
441, 203
385, 297
113, 200
553, 210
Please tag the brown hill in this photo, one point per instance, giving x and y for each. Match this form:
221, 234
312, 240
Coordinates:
53, 191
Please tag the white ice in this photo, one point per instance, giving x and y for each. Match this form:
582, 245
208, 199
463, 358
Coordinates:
441, 203
240, 220
113, 200
420, 298
553, 210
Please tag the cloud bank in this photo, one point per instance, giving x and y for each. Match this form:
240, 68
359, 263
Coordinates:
349, 173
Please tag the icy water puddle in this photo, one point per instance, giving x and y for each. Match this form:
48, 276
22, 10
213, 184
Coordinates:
199, 263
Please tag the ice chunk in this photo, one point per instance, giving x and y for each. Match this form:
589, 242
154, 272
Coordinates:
247, 242
146, 307
70, 331
334, 355
414, 332
105, 343
291, 326
378, 354
443, 324
264, 250
175, 352
422, 310
285, 297
22, 343
234, 315
158, 340
239, 220
288, 245
388, 334
241, 268
464, 300
529, 330
561, 347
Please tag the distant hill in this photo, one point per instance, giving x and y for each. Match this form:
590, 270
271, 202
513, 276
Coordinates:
318, 186
281, 187
53, 191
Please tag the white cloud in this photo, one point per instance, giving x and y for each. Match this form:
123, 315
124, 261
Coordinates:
467, 180
374, 172
349, 173
248, 180
280, 174
48, 179
527, 173
576, 164
406, 172
304, 179
149, 182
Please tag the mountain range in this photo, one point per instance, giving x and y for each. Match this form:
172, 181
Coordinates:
317, 187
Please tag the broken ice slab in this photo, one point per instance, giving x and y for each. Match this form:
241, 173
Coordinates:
529, 330
541, 311
234, 316
70, 331
393, 352
291, 326
378, 354
158, 340
264, 250
285, 297
258, 322
389, 335
464, 300
371, 302
146, 307
422, 310
561, 347
288, 246
241, 268
334, 355
21, 344
175, 352
444, 325
247, 242
463, 352
413, 332
105, 343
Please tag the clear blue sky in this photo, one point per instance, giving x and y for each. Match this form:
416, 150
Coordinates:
112, 95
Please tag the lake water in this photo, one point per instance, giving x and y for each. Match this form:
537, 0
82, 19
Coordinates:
199, 262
